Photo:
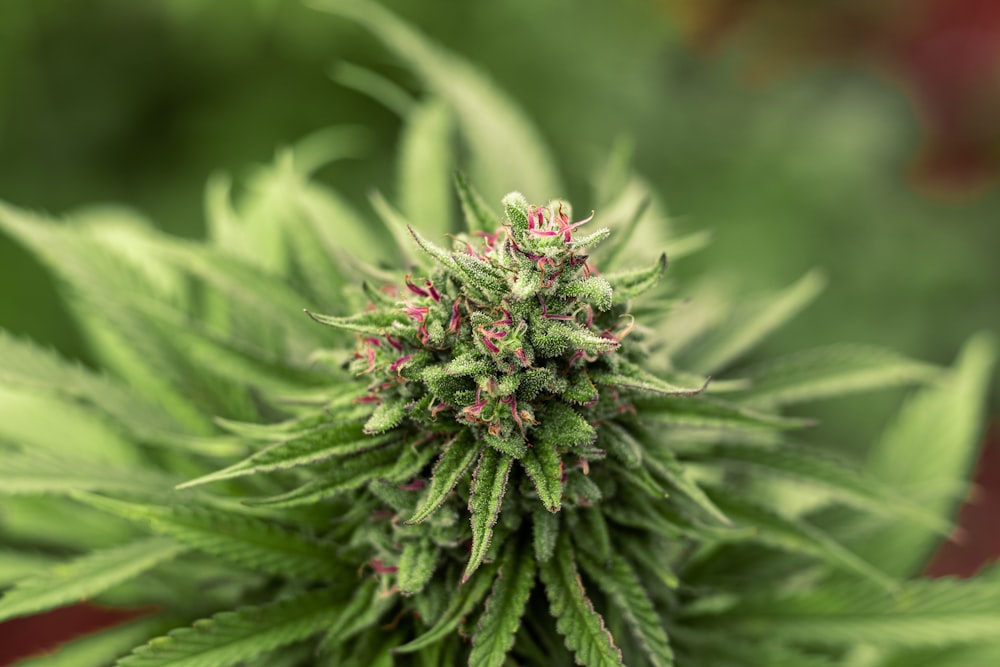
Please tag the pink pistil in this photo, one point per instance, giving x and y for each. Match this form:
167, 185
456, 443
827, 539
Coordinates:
456, 318
419, 291
381, 568
399, 363
415, 485
550, 316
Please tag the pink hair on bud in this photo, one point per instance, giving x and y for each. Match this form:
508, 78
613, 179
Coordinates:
381, 568
415, 485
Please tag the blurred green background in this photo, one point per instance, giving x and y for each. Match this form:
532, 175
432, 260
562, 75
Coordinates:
795, 156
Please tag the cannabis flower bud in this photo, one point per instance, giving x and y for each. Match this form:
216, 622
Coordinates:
512, 348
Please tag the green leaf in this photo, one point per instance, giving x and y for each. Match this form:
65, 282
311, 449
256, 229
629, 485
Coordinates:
751, 324
561, 427
823, 472
927, 452
416, 565
631, 376
449, 469
595, 290
335, 440
374, 323
478, 216
544, 467
102, 648
388, 415
630, 284
231, 637
236, 538
346, 475
426, 165
544, 533
86, 576
501, 619
831, 371
623, 587
462, 603
924, 613
581, 626
365, 608
705, 412
29, 366
506, 149
43, 473
489, 484
662, 463
796, 535
16, 565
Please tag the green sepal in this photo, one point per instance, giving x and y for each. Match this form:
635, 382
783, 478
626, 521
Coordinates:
388, 415
544, 467
595, 290
416, 565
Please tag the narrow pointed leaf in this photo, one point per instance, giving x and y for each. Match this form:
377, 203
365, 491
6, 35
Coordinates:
631, 376
478, 216
86, 576
623, 587
543, 465
231, 637
462, 603
236, 538
495, 631
576, 620
449, 469
489, 484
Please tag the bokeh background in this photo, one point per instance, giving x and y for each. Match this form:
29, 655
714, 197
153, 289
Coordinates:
858, 136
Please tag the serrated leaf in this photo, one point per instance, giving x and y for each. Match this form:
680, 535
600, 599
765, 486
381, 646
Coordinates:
704, 412
231, 637
631, 376
388, 415
623, 587
478, 216
823, 471
375, 323
620, 444
628, 285
86, 576
236, 538
501, 619
365, 608
544, 533
595, 290
462, 603
924, 613
449, 469
489, 484
28, 365
560, 427
335, 440
927, 452
416, 565
752, 323
44, 474
426, 166
544, 467
797, 535
506, 148
576, 620
831, 371
664, 465
349, 474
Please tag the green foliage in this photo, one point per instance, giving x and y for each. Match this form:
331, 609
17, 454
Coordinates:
437, 451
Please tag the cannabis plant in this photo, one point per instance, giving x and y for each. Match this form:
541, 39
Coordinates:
509, 441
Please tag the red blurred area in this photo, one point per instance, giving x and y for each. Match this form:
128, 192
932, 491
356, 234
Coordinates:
43, 633
946, 53
979, 537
